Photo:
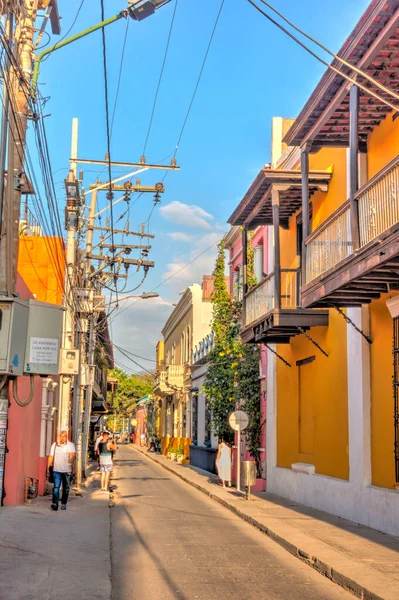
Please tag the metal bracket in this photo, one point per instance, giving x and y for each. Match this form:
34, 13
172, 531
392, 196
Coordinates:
309, 337
278, 355
348, 320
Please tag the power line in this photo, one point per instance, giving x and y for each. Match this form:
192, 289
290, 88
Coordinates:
160, 77
120, 75
324, 62
338, 58
110, 194
132, 360
199, 78
168, 278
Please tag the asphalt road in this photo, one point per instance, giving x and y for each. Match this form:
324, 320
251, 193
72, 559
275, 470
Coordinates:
170, 541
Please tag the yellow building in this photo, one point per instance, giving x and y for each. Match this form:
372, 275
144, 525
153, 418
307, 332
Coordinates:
188, 324
331, 197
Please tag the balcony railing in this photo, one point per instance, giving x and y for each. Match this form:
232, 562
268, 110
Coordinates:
175, 375
261, 300
378, 203
378, 210
329, 244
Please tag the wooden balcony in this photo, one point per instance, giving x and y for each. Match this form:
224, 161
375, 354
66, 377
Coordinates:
342, 273
271, 311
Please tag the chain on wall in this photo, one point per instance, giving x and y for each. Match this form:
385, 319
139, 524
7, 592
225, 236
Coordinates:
395, 352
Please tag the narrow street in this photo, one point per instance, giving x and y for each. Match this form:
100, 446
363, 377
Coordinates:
170, 541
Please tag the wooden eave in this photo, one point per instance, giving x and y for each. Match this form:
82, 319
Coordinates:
373, 46
255, 209
280, 325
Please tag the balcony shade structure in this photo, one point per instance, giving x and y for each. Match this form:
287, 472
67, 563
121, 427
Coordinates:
272, 311
353, 257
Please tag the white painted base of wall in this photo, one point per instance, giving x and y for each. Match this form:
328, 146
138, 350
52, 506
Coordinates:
371, 506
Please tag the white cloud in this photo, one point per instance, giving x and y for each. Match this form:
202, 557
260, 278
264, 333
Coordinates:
183, 276
189, 215
138, 329
179, 236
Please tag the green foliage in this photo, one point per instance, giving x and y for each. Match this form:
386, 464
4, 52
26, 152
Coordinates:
232, 378
251, 279
130, 388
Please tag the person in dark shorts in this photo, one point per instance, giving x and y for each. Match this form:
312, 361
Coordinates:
106, 448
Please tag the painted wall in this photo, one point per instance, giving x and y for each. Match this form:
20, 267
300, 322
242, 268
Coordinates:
383, 145
23, 433
312, 394
41, 264
381, 369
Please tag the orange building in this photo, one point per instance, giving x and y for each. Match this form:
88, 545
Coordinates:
41, 268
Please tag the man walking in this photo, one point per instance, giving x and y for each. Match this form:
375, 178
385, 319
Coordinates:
62, 459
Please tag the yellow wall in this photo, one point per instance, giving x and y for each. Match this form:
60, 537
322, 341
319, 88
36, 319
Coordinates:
312, 399
383, 145
41, 264
326, 203
322, 424
381, 367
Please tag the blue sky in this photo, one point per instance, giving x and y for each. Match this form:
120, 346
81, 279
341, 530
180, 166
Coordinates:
253, 73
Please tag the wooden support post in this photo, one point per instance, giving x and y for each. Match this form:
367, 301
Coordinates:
276, 230
244, 268
353, 162
305, 208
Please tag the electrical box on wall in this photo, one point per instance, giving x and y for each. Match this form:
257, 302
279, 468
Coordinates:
69, 361
14, 315
43, 338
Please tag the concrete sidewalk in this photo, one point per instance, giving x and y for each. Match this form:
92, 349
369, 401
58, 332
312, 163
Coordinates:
360, 559
64, 554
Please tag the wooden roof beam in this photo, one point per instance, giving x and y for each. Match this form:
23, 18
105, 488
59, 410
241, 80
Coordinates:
380, 41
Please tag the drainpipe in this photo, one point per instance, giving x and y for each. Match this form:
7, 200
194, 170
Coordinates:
42, 454
46, 381
50, 416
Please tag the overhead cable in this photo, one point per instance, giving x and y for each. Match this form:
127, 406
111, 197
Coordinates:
336, 56
324, 62
160, 77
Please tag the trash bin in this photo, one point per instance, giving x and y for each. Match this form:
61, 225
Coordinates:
248, 473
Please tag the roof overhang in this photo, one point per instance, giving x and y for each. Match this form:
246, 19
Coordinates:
373, 46
255, 209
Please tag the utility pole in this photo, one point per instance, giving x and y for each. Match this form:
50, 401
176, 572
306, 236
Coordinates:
71, 221
15, 109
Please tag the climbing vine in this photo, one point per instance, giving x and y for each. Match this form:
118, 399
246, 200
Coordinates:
232, 379
251, 278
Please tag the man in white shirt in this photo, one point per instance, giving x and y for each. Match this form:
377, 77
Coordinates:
97, 442
62, 459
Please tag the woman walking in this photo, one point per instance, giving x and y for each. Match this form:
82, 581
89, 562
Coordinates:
106, 448
223, 462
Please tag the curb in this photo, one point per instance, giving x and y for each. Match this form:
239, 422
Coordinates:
312, 561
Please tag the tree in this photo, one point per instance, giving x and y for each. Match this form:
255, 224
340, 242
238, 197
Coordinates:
130, 388
232, 379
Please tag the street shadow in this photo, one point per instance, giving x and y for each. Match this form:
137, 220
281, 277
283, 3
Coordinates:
367, 533
136, 538
133, 496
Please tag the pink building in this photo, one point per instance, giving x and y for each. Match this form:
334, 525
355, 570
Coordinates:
30, 431
233, 243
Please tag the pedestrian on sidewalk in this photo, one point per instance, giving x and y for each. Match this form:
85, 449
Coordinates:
96, 451
223, 462
106, 449
62, 459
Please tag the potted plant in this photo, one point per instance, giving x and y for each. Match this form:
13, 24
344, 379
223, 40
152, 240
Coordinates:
179, 455
172, 454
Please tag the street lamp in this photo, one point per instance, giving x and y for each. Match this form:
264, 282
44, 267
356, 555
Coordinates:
136, 9
143, 296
